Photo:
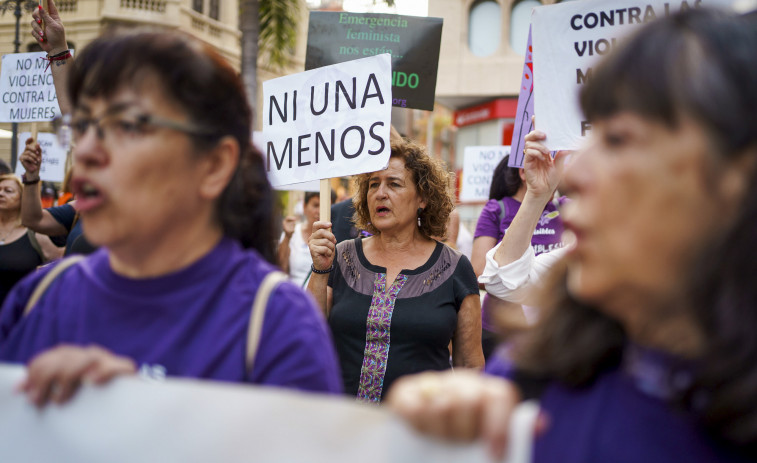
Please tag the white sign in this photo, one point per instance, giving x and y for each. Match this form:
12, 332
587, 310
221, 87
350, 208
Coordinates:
479, 163
53, 167
27, 93
328, 122
568, 39
179, 420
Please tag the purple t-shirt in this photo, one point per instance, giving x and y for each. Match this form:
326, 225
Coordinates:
191, 323
493, 222
623, 416
548, 233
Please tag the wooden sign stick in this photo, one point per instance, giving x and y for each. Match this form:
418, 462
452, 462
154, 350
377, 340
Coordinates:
325, 200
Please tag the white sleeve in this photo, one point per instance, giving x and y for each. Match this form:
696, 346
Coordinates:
513, 282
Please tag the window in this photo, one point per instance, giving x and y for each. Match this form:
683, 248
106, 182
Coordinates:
520, 20
197, 5
484, 27
214, 10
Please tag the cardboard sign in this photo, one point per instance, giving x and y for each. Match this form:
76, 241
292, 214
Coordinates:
479, 163
568, 39
53, 167
181, 420
27, 93
328, 122
413, 42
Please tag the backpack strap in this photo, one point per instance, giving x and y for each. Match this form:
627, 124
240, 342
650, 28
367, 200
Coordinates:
269, 283
35, 243
502, 211
48, 279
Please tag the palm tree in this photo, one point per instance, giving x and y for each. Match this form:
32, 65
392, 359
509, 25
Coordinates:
270, 25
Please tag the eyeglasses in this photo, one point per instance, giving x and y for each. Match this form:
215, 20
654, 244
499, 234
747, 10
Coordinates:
117, 128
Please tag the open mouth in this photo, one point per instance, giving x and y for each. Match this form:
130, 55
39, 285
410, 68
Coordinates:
382, 210
88, 195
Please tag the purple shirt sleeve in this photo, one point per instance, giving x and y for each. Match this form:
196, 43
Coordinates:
488, 222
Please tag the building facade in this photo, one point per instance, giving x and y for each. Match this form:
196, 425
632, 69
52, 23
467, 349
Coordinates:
480, 68
212, 21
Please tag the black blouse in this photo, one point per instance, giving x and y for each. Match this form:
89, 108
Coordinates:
383, 333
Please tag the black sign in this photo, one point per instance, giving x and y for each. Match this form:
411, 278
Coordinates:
413, 42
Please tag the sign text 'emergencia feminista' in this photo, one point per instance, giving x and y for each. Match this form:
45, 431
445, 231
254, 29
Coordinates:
413, 42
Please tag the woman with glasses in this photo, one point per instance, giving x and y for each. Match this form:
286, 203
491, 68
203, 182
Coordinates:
170, 187
645, 347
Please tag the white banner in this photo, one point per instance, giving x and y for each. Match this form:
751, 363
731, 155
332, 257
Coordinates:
53, 167
328, 122
568, 39
135, 420
27, 93
479, 163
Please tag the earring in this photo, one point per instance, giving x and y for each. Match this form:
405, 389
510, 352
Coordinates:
419, 212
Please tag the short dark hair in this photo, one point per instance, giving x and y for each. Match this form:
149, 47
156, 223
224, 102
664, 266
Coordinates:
506, 180
313, 194
699, 64
211, 92
310, 195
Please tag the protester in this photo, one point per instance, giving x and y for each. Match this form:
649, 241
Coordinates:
21, 251
170, 187
293, 252
61, 221
58, 221
395, 300
342, 214
645, 350
513, 271
506, 194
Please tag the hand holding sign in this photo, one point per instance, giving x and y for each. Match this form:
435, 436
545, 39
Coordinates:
31, 159
543, 173
56, 374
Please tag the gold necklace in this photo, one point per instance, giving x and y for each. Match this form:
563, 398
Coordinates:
2, 240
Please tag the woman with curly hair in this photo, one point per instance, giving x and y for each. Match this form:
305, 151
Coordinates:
395, 300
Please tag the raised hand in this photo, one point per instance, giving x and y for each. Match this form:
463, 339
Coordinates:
543, 173
53, 38
288, 225
31, 159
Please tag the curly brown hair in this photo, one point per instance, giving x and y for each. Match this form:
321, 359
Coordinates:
431, 180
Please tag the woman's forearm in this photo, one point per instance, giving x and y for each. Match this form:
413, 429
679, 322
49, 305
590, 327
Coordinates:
318, 287
31, 206
521, 230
